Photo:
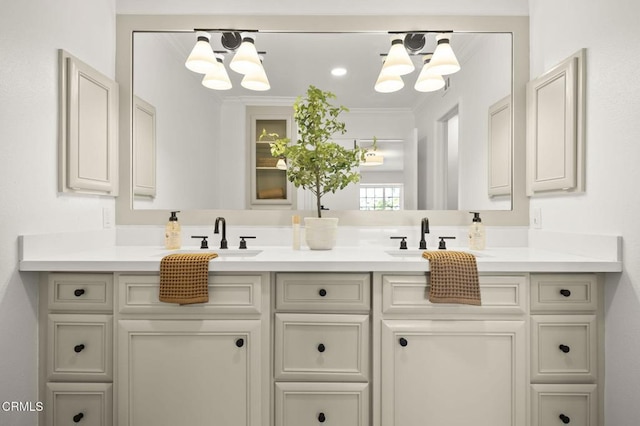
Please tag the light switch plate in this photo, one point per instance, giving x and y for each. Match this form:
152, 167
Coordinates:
536, 218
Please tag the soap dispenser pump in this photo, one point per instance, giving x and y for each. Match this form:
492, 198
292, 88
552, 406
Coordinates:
172, 233
477, 235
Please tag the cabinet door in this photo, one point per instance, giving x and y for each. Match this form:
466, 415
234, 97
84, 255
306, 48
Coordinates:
192, 373
500, 147
454, 373
555, 121
88, 129
144, 148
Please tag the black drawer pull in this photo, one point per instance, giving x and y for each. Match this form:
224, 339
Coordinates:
240, 343
321, 417
564, 348
321, 348
322, 292
78, 348
566, 420
403, 342
565, 292
78, 417
78, 292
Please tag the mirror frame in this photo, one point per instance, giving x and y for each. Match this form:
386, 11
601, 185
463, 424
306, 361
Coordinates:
518, 26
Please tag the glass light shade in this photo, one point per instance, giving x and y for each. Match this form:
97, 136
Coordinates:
201, 59
388, 83
398, 61
281, 164
372, 158
256, 80
246, 59
218, 79
428, 81
444, 61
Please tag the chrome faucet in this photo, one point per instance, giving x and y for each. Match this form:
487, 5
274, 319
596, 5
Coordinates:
424, 229
223, 240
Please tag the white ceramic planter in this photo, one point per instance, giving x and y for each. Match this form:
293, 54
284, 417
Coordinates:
321, 232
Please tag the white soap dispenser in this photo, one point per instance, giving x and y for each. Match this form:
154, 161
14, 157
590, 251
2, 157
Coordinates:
172, 233
477, 235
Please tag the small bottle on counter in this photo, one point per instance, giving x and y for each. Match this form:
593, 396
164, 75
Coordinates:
295, 224
172, 233
477, 235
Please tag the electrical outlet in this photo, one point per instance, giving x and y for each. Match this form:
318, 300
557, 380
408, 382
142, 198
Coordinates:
536, 218
107, 217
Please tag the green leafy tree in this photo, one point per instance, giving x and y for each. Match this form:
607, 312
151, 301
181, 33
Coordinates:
315, 162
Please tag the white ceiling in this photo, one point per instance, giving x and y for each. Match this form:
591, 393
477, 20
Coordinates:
326, 7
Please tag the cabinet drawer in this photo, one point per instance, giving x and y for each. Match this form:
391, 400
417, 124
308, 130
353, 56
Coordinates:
323, 292
410, 294
564, 404
80, 292
310, 404
79, 403
227, 294
564, 348
322, 347
79, 347
564, 292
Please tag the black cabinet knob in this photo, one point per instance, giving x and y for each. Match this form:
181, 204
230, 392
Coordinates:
322, 292
78, 417
240, 343
565, 292
321, 347
321, 417
78, 292
564, 348
564, 419
403, 342
78, 348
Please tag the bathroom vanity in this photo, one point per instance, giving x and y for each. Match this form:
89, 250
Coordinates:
302, 338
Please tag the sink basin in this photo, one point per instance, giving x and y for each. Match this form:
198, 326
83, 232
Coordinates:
418, 252
221, 253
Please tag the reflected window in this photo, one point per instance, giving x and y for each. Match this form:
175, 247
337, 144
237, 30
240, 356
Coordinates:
381, 197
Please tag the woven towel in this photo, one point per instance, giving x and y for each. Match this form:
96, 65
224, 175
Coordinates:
184, 278
454, 277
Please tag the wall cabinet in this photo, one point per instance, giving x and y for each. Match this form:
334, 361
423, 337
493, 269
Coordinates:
88, 160
555, 128
269, 187
144, 148
500, 155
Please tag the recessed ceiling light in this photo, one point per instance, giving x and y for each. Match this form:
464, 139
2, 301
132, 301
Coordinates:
339, 71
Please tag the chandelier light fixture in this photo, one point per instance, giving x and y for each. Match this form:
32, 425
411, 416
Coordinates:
398, 62
246, 60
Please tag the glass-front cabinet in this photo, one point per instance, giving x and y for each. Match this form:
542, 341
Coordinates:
269, 185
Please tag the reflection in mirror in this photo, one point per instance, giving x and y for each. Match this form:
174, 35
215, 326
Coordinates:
434, 145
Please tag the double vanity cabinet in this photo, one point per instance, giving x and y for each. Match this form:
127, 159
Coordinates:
300, 348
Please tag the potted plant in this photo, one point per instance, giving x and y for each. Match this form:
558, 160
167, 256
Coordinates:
315, 162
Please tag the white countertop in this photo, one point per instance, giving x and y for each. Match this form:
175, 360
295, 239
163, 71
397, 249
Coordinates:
341, 259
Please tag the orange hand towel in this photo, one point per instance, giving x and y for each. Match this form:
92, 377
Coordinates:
453, 277
184, 278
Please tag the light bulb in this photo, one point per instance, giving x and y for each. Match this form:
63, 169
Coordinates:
444, 61
398, 61
201, 59
218, 79
428, 81
246, 59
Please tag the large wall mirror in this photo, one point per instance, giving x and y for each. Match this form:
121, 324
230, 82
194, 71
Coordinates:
436, 145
